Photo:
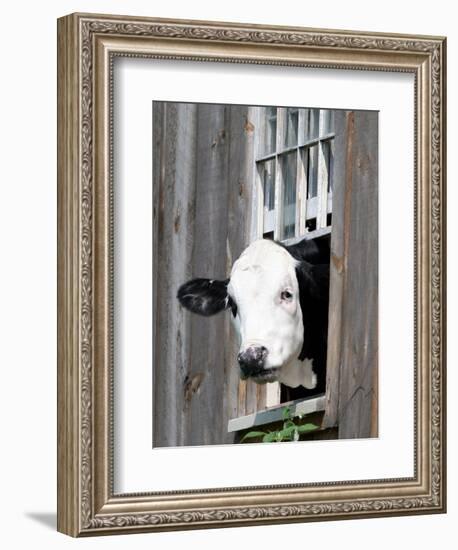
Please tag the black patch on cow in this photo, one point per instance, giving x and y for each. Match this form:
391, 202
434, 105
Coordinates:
312, 274
314, 251
206, 296
314, 299
233, 307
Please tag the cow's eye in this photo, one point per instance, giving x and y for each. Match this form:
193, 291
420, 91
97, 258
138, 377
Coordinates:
286, 295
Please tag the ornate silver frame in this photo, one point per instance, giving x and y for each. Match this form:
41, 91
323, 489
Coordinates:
87, 45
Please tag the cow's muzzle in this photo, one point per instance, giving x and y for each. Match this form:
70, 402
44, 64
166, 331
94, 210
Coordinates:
251, 360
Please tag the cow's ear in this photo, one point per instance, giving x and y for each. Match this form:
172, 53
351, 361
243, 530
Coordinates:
204, 296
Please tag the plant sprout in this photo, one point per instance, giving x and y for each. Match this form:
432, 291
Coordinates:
289, 432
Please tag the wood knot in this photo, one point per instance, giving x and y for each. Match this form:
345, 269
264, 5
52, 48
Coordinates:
192, 384
220, 137
248, 126
337, 262
177, 222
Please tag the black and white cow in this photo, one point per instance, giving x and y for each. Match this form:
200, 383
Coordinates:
278, 296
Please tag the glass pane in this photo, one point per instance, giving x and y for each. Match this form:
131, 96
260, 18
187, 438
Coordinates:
328, 162
267, 174
289, 170
312, 172
292, 121
328, 121
270, 130
311, 124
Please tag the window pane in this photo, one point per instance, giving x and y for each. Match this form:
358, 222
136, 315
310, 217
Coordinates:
328, 162
270, 130
328, 121
267, 174
312, 172
292, 121
289, 170
311, 124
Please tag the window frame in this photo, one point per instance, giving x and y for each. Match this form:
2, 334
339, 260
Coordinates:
306, 208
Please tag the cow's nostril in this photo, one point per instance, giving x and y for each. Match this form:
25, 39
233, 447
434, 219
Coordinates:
243, 358
251, 360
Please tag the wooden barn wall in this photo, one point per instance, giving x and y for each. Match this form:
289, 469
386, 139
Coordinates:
352, 400
174, 170
202, 180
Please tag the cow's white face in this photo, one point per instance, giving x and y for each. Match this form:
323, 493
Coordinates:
264, 287
263, 295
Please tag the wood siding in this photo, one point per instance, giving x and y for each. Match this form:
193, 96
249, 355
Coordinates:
352, 402
203, 186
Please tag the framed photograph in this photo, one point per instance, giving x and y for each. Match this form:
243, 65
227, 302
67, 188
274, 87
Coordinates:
251, 289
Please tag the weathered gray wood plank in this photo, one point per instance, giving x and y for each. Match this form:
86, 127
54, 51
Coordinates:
337, 274
359, 321
205, 418
174, 193
202, 226
240, 195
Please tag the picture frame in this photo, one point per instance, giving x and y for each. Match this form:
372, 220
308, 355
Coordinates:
87, 46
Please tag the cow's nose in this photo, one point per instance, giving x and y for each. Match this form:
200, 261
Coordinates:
251, 360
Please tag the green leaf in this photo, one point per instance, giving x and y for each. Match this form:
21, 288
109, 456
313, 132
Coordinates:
252, 435
270, 437
287, 433
305, 428
288, 424
286, 413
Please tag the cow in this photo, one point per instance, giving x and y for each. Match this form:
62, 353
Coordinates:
278, 297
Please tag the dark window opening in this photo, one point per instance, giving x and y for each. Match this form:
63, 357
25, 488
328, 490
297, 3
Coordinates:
311, 224
312, 172
291, 394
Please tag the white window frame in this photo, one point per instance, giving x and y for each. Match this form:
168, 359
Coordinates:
317, 207
306, 209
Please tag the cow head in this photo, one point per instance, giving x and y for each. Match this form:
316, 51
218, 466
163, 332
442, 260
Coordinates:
269, 292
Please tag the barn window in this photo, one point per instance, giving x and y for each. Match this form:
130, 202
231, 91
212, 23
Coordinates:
293, 157
294, 160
